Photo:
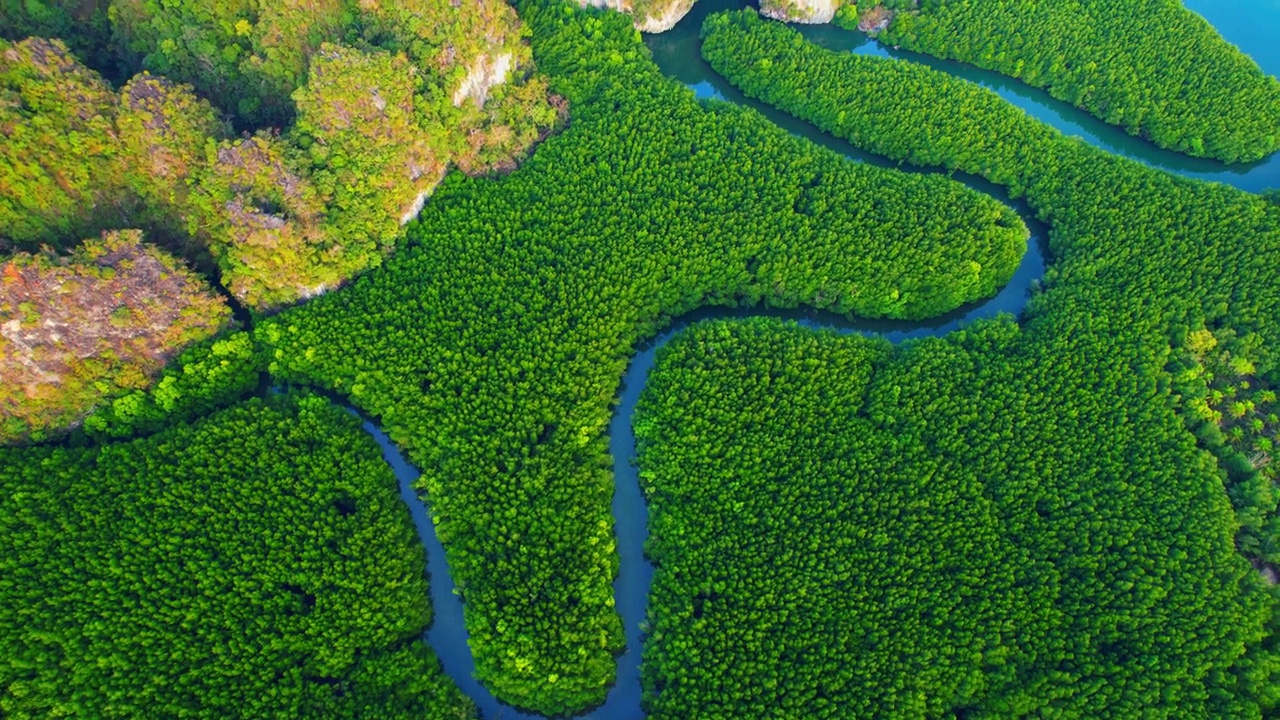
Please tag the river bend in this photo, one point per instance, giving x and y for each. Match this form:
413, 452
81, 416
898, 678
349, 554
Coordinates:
677, 52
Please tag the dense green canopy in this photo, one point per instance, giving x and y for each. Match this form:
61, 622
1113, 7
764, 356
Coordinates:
1014, 520
82, 24
1067, 429
1153, 67
258, 563
841, 530
203, 378
492, 346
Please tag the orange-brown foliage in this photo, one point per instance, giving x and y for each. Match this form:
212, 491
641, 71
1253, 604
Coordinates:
76, 329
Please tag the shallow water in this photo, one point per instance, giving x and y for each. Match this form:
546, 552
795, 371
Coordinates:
1252, 24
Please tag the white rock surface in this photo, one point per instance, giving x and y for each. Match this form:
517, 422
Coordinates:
800, 11
665, 20
662, 22
484, 74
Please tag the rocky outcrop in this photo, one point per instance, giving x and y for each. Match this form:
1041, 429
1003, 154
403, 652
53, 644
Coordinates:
74, 329
875, 20
658, 15
666, 18
420, 200
622, 6
484, 74
800, 11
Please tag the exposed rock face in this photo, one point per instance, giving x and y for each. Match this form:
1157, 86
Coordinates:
420, 200
622, 6
658, 15
666, 18
266, 226
875, 20
76, 329
800, 11
484, 74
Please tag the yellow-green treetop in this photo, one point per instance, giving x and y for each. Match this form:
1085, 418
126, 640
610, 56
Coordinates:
246, 56
163, 128
59, 172
264, 220
368, 153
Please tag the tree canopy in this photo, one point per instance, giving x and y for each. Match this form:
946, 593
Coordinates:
1153, 67
370, 102
492, 345
258, 563
60, 172
973, 526
1051, 517
1072, 425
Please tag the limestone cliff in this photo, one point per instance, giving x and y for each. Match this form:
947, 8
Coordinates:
650, 16
75, 329
483, 74
800, 11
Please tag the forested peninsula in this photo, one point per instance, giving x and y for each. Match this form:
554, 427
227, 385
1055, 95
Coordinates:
226, 228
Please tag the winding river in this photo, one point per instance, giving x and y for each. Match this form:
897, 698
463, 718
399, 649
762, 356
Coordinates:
1253, 24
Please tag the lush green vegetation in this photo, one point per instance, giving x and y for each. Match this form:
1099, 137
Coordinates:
385, 97
1234, 413
80, 158
266, 222
163, 132
258, 563
1070, 428
1152, 67
102, 322
205, 377
249, 56
1194, 252
810, 559
1007, 522
367, 154
59, 172
82, 23
492, 346
986, 525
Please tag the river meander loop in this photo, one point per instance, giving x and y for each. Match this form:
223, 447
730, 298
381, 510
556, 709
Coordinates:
677, 52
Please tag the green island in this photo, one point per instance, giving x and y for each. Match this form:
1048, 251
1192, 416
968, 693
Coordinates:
256, 258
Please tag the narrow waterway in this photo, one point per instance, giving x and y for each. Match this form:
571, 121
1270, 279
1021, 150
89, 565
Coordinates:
448, 635
678, 54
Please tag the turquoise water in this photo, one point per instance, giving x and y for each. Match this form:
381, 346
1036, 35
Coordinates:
1251, 25
1254, 25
